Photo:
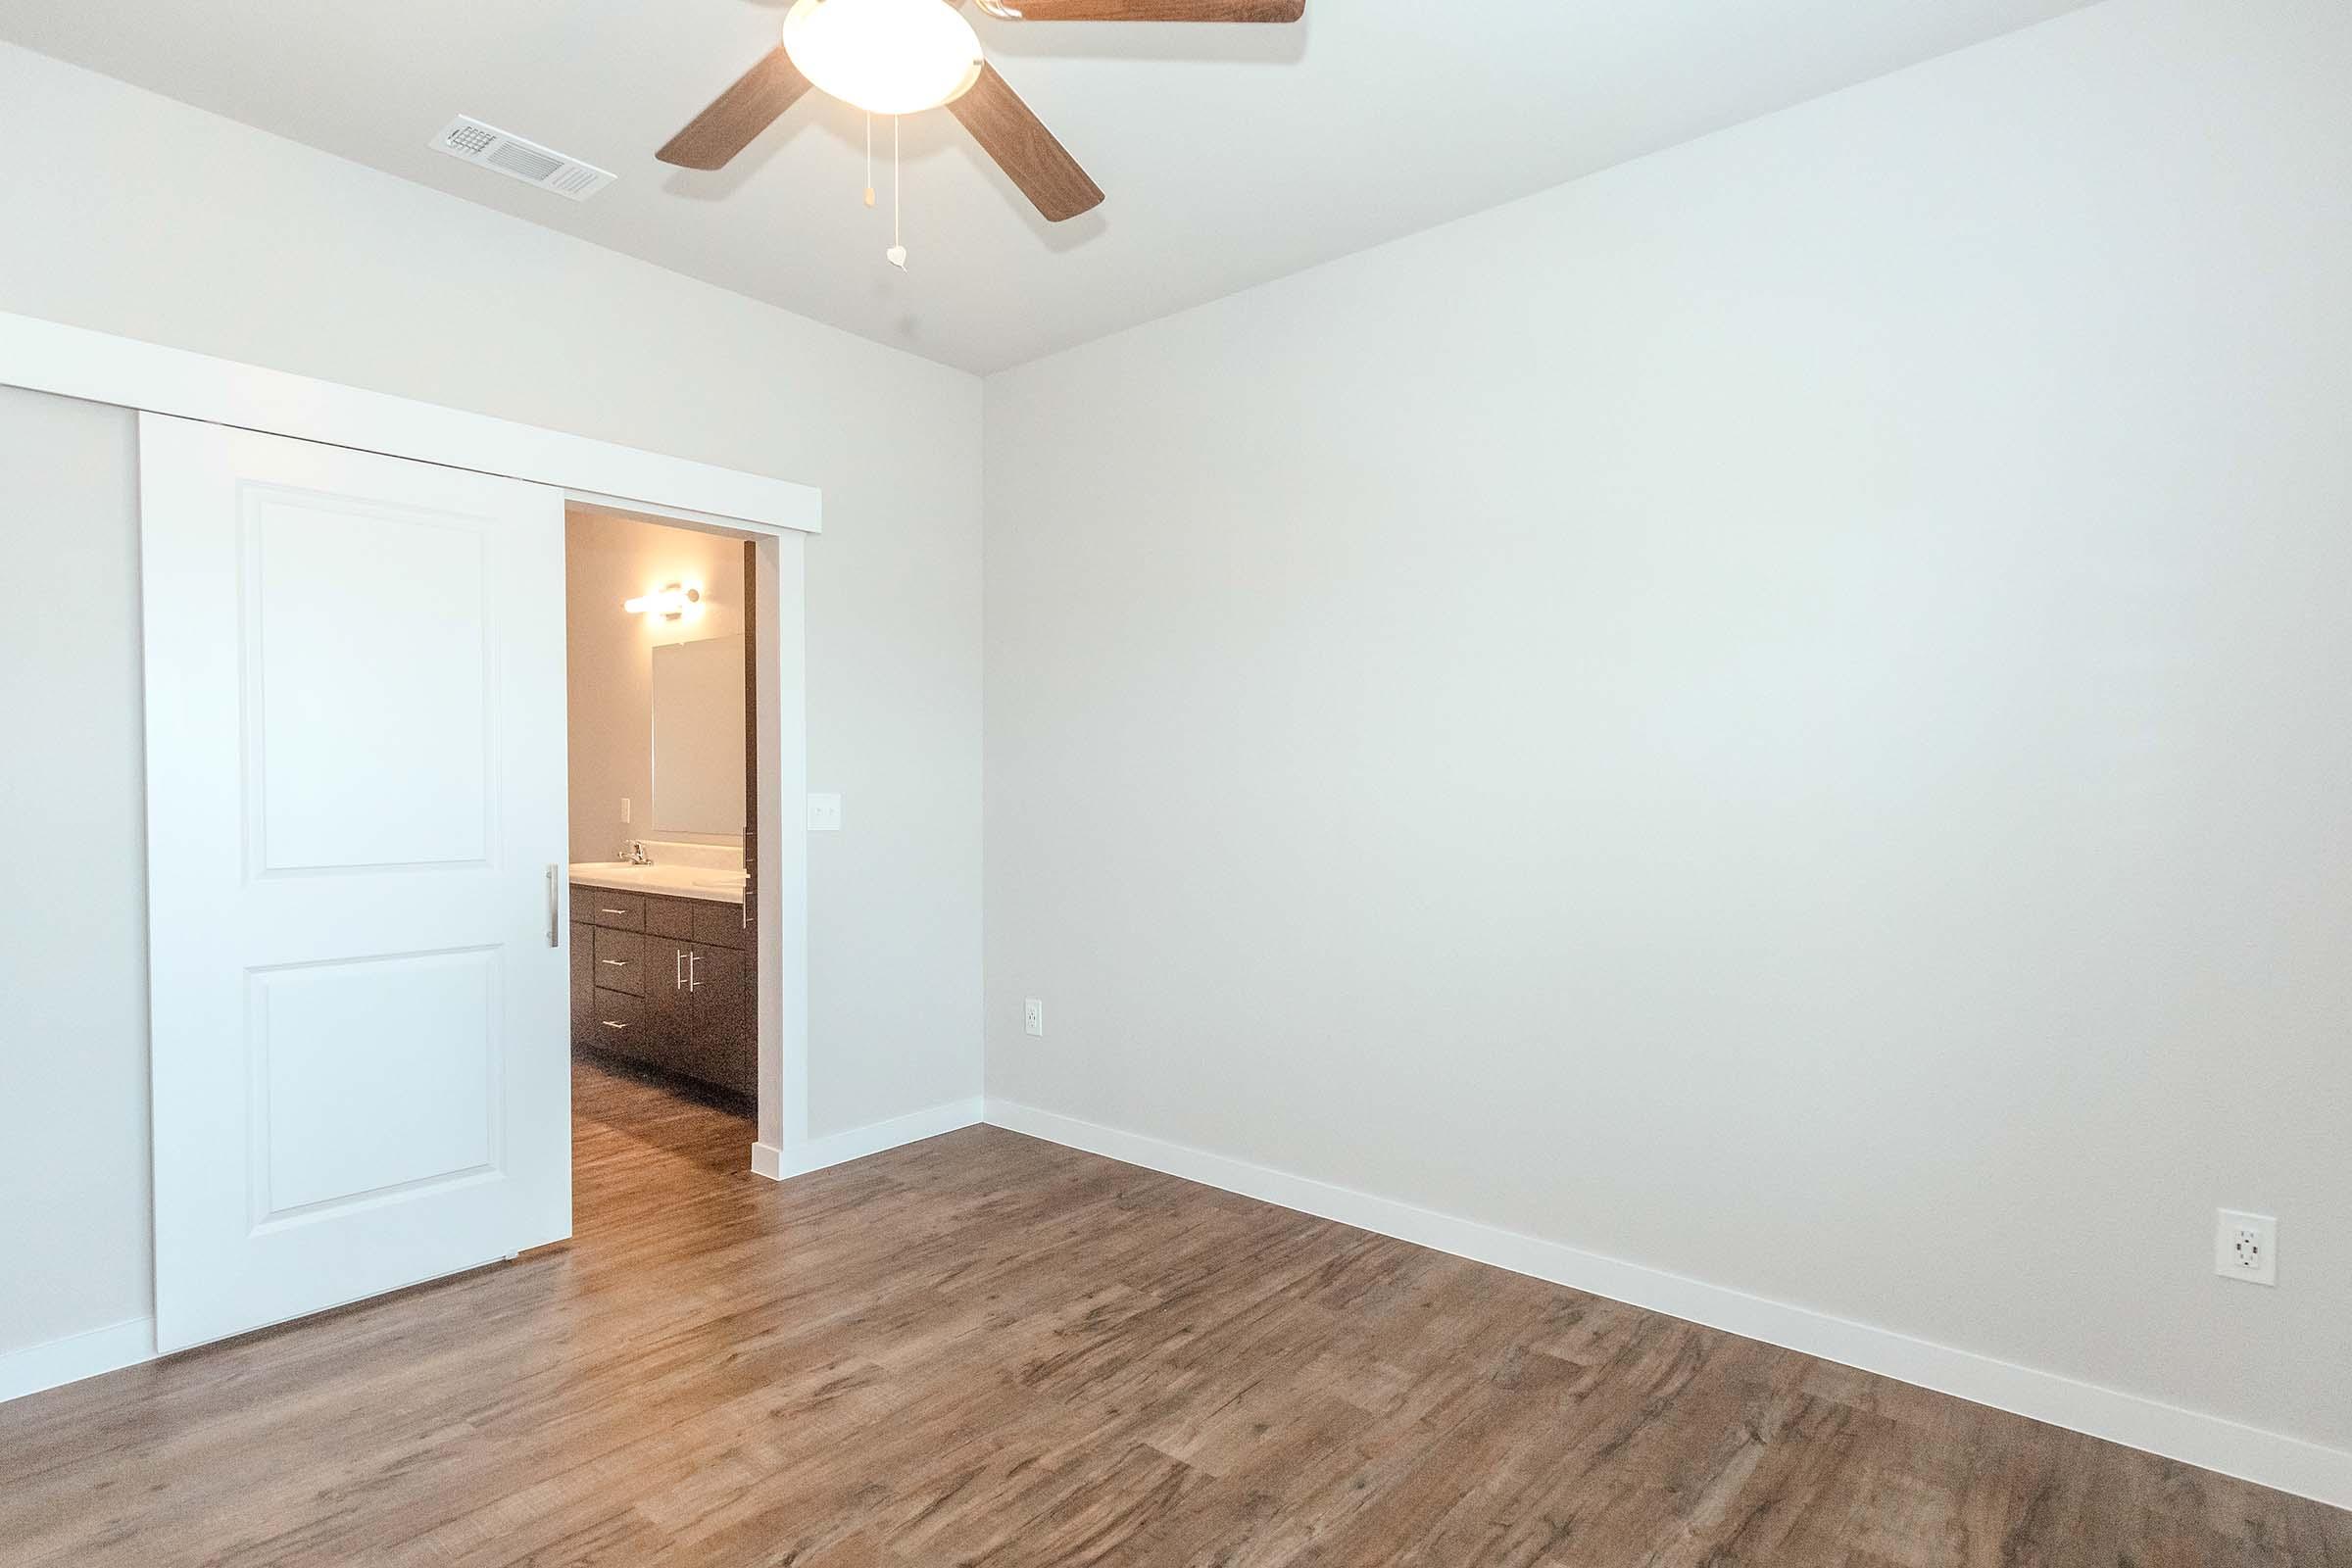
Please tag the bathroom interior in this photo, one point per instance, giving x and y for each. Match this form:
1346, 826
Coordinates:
664, 974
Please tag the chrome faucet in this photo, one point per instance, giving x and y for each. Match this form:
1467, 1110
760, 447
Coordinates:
638, 854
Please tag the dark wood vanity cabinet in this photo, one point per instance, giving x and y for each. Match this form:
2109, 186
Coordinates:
666, 982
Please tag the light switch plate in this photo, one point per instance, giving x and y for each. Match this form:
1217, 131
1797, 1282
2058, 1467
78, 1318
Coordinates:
824, 814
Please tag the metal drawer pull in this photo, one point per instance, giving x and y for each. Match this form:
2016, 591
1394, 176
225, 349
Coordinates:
612, 911
611, 1024
677, 968
617, 964
693, 984
553, 939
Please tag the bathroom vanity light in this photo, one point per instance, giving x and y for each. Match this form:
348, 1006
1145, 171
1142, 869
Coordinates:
669, 603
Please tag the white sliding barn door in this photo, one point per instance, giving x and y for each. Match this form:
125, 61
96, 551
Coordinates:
356, 808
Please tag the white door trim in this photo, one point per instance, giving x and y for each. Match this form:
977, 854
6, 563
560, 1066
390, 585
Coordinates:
96, 367
782, 883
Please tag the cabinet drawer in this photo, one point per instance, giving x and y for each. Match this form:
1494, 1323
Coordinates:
719, 925
669, 917
621, 961
622, 911
616, 1022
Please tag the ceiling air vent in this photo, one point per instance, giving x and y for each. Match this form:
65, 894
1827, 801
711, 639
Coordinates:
469, 139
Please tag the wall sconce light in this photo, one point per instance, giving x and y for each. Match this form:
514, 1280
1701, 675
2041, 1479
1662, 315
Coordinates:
670, 604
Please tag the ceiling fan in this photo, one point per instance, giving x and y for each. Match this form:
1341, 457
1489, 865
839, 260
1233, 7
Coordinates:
900, 57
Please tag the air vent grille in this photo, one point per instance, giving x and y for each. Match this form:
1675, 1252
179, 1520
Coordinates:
476, 143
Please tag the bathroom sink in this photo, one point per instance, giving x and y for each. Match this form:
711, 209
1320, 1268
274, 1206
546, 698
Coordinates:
669, 877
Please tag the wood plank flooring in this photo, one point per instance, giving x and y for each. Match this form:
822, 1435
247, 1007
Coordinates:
984, 1350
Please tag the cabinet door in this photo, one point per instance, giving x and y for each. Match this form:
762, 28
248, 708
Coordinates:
669, 1011
724, 1049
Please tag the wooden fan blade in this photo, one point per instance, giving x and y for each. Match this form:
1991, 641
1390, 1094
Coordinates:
1024, 148
1146, 10
736, 115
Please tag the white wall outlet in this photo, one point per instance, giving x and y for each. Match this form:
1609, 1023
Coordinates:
824, 814
625, 808
2245, 1247
1033, 1016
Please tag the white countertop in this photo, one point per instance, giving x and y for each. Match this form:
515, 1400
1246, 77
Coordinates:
673, 881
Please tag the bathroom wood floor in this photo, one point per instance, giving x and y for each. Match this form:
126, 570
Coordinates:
989, 1350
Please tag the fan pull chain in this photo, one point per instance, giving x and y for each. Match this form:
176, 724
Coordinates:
896, 254
869, 160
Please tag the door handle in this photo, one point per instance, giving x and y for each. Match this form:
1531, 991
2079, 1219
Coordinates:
677, 968
553, 940
692, 983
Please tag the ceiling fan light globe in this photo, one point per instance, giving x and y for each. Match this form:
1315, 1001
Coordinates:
887, 56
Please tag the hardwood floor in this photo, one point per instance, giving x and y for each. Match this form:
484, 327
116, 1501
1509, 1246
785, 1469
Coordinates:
989, 1350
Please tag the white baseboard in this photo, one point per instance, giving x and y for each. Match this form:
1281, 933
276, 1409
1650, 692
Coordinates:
76, 1357
2209, 1442
780, 1164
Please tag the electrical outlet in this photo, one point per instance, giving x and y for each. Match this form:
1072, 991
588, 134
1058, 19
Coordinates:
824, 814
1034, 1017
2245, 1247
624, 809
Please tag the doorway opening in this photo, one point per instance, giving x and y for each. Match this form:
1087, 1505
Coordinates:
663, 641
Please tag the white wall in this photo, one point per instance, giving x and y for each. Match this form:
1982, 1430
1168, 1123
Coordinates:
158, 221
607, 561
73, 921
1777, 713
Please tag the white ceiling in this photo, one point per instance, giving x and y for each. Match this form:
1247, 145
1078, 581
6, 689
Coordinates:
1230, 154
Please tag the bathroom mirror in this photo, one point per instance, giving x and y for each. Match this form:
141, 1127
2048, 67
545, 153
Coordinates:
698, 736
